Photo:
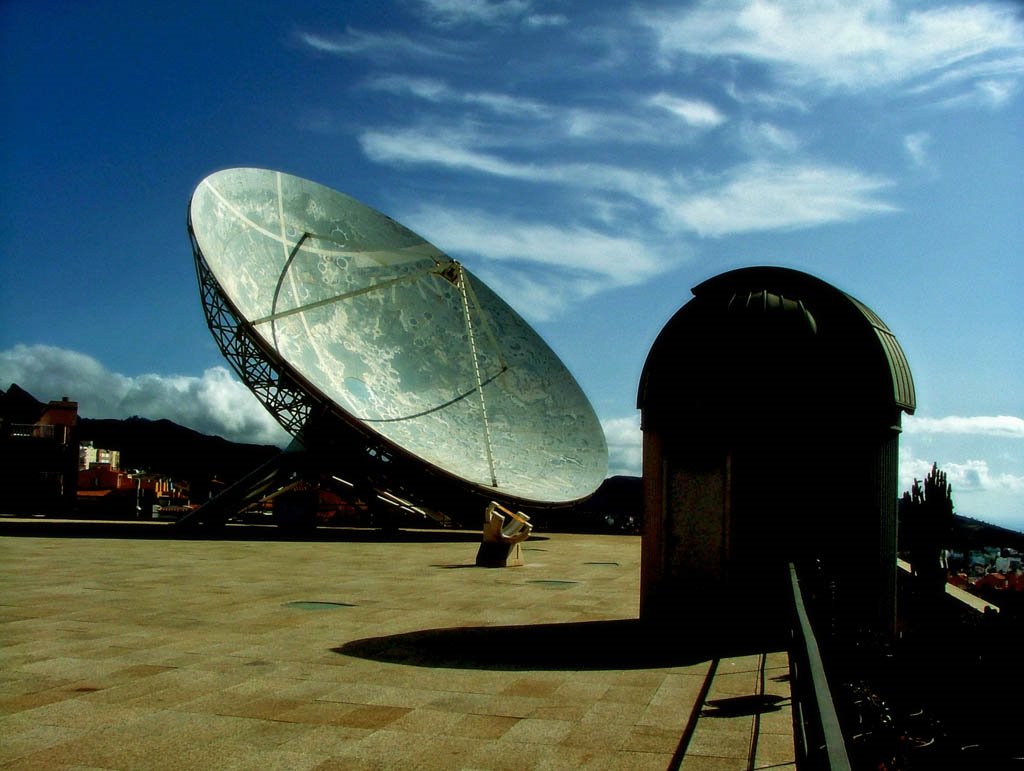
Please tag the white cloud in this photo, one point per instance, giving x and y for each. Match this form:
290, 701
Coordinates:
838, 43
537, 296
776, 101
990, 95
765, 138
418, 147
997, 92
376, 47
916, 145
439, 92
1008, 426
428, 89
763, 196
545, 268
452, 12
577, 250
694, 112
969, 476
541, 20
617, 128
214, 403
625, 445
542, 124
755, 197
976, 75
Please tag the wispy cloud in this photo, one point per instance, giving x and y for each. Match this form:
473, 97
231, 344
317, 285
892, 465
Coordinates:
584, 252
543, 123
537, 295
763, 196
763, 138
214, 403
694, 112
452, 12
412, 146
916, 145
1008, 426
836, 43
986, 94
541, 20
416, 147
381, 48
545, 267
1003, 70
759, 196
440, 92
777, 100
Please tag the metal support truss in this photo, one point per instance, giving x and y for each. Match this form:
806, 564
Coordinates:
290, 404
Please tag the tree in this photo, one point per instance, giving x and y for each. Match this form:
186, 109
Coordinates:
927, 515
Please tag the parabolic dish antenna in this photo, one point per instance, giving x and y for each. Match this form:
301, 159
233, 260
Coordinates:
325, 306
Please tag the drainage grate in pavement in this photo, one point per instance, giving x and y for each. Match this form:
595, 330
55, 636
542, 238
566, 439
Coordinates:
317, 605
607, 564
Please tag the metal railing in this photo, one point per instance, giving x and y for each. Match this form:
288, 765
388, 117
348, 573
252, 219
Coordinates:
816, 731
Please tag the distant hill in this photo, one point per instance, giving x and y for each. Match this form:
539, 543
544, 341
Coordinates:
971, 533
159, 446
164, 447
19, 406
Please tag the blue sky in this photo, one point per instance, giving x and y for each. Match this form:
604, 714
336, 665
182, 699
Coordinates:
591, 161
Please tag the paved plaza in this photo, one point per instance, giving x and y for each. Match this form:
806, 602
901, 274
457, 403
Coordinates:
125, 647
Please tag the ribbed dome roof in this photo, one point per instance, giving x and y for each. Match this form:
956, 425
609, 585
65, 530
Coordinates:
759, 334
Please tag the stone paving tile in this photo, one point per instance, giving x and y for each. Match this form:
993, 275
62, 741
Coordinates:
137, 654
575, 688
271, 734
22, 740
722, 738
560, 710
774, 750
539, 731
427, 721
483, 726
628, 694
543, 685
671, 718
398, 747
606, 736
648, 738
328, 740
712, 763
17, 703
270, 760
778, 722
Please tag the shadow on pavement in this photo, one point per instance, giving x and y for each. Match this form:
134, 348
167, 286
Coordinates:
585, 645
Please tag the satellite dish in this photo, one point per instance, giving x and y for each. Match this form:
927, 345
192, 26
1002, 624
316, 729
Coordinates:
330, 310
